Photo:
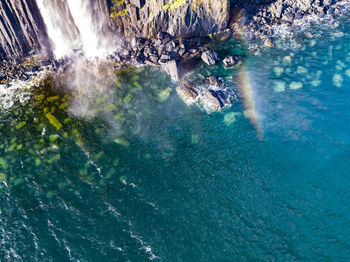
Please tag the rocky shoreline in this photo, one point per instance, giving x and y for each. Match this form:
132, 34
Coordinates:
174, 54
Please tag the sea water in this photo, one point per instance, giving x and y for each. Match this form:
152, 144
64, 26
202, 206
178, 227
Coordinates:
142, 176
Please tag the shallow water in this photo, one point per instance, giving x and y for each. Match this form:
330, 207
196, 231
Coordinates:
144, 177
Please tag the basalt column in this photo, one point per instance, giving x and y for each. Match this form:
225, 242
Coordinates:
22, 29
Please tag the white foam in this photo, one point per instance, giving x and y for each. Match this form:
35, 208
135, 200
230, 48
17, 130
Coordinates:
17, 90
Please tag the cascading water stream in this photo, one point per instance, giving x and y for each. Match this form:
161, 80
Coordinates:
76, 24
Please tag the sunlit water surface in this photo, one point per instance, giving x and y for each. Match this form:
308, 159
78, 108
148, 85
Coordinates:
146, 177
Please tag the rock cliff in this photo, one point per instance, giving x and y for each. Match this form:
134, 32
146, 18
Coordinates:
185, 18
22, 29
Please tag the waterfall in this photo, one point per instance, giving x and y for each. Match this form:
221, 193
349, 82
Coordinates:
76, 24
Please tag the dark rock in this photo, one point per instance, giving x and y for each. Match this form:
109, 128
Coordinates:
299, 16
222, 96
35, 68
214, 81
163, 35
188, 93
231, 61
46, 63
182, 51
153, 58
210, 57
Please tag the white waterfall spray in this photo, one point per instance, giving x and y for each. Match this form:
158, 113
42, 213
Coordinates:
81, 24
76, 24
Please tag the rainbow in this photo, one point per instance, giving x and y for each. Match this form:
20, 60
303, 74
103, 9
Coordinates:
250, 111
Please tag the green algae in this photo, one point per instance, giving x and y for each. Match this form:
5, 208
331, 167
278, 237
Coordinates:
50, 195
122, 141
127, 98
53, 138
20, 125
11, 148
110, 173
67, 120
53, 98
37, 161
3, 177
119, 116
53, 121
137, 85
231, 117
54, 159
163, 95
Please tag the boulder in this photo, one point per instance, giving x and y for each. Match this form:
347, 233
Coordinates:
210, 101
188, 93
210, 57
231, 61
214, 81
172, 70
214, 100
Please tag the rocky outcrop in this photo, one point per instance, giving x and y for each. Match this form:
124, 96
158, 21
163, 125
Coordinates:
22, 30
211, 96
231, 61
210, 57
288, 12
185, 18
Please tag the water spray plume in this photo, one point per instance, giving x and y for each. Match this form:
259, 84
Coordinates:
77, 24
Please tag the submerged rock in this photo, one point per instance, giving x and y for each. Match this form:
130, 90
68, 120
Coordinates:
347, 72
338, 80
278, 71
231, 61
279, 86
295, 85
164, 94
210, 57
231, 117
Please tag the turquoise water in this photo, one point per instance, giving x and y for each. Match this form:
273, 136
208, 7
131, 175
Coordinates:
146, 177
